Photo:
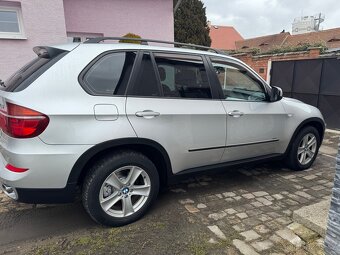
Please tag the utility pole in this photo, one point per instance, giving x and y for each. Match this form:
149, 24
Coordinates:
332, 245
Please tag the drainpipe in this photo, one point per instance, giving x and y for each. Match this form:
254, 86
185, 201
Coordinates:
332, 244
177, 5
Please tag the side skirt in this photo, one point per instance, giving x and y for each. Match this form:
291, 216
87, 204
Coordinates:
221, 167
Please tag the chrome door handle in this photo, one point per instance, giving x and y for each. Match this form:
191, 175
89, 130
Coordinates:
148, 114
235, 114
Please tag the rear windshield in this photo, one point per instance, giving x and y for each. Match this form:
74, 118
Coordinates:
22, 78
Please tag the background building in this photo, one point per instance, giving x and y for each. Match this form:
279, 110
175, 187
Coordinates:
224, 37
307, 24
26, 23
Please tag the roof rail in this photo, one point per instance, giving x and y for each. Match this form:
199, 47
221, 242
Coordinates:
146, 41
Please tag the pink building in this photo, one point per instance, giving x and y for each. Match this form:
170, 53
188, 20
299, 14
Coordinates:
27, 23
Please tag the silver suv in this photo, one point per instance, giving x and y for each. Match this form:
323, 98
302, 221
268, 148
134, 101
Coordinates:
118, 121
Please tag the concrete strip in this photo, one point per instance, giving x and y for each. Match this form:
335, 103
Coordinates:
314, 216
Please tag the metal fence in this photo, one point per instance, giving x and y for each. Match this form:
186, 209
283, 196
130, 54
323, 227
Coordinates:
314, 81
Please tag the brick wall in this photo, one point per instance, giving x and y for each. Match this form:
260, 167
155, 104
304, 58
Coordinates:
260, 63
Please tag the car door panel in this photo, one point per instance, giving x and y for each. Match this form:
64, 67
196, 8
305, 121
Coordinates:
255, 126
257, 132
170, 102
189, 130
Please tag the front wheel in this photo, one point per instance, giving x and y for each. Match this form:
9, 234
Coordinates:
120, 188
304, 149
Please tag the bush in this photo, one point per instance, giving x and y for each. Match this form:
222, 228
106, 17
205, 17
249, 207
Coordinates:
131, 35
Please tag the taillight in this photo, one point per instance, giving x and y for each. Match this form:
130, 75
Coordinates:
16, 169
22, 122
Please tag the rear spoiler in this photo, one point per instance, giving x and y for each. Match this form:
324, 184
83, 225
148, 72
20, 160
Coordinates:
47, 52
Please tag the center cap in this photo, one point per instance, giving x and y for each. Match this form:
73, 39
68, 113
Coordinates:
125, 190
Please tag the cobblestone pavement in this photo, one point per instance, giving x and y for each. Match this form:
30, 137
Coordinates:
244, 211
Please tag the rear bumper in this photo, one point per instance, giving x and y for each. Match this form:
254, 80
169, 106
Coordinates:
40, 196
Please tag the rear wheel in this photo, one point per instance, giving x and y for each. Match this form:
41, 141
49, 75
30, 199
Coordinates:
120, 188
304, 149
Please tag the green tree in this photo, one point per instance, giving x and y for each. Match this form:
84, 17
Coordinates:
191, 25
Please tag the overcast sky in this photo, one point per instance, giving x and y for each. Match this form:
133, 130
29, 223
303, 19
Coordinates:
262, 17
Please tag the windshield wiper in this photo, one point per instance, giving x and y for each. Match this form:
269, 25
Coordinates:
2, 84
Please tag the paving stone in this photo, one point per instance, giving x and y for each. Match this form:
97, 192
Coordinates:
262, 245
251, 221
186, 201
318, 187
305, 233
290, 236
229, 200
303, 194
191, 208
217, 231
242, 215
278, 196
264, 201
217, 216
237, 198
244, 248
270, 198
284, 220
309, 177
229, 194
264, 217
201, 206
178, 190
248, 196
253, 212
239, 227
275, 238
257, 204
262, 229
230, 211
212, 241
260, 193
250, 235
219, 196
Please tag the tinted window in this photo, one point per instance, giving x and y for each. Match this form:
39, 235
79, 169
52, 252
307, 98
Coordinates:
110, 74
146, 83
183, 76
237, 83
22, 78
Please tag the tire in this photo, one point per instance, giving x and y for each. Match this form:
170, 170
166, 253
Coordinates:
295, 160
107, 182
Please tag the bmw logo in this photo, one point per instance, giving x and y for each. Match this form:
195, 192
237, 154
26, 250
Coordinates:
125, 190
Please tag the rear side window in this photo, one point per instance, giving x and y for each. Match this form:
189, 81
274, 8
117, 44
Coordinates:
31, 71
110, 74
183, 76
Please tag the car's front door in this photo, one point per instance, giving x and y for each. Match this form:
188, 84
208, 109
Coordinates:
255, 126
170, 101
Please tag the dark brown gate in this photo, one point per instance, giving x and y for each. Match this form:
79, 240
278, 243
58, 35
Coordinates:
315, 82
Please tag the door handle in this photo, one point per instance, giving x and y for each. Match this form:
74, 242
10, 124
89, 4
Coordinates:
148, 114
235, 114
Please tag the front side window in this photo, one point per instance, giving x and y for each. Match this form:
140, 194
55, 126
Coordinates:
237, 83
183, 76
110, 74
11, 23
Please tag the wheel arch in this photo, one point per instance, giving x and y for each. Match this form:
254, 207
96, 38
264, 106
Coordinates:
318, 123
153, 150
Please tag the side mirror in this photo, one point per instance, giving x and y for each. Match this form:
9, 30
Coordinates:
276, 94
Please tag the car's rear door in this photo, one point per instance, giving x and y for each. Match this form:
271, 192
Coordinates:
170, 101
255, 126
